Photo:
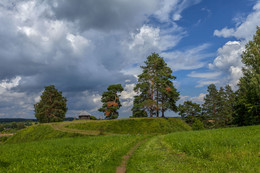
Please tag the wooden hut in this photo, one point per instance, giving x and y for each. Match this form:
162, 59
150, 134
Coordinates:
84, 115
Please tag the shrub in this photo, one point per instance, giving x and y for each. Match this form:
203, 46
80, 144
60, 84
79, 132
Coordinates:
197, 125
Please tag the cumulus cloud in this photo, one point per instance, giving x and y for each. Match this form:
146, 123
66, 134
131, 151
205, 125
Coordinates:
228, 61
80, 47
246, 29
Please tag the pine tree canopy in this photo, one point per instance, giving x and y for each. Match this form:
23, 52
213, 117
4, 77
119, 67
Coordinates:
52, 106
111, 102
155, 88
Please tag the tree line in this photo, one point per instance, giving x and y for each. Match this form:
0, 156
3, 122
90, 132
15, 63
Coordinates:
156, 94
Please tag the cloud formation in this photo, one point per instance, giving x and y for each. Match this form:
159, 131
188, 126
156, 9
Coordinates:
80, 47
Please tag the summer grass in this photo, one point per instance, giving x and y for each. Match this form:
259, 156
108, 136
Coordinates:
134, 125
37, 133
79, 154
222, 150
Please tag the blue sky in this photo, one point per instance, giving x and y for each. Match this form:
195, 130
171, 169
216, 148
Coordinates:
83, 46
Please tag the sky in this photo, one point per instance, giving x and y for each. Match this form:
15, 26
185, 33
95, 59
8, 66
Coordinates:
83, 46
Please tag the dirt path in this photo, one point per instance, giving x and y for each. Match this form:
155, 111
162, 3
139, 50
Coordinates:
122, 167
6, 134
62, 127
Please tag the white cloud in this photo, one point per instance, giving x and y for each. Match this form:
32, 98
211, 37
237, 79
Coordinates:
197, 99
127, 96
246, 29
204, 75
10, 84
203, 83
147, 38
188, 59
170, 10
228, 62
228, 55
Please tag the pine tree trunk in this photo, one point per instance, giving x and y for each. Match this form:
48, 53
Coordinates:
162, 112
157, 103
151, 107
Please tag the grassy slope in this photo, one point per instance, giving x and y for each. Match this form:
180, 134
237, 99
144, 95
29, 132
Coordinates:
79, 154
37, 133
135, 126
222, 150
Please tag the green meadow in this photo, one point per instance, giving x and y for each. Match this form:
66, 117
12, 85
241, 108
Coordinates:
67, 147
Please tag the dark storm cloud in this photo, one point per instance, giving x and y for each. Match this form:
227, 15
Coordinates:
103, 14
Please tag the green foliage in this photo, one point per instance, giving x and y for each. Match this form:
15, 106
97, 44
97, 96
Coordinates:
93, 117
211, 151
155, 88
52, 106
247, 108
218, 106
111, 102
197, 125
135, 126
189, 111
81, 154
38, 133
138, 109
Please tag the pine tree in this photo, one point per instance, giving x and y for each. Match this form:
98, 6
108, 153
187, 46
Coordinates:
52, 106
211, 103
229, 105
247, 108
111, 102
189, 111
157, 92
138, 110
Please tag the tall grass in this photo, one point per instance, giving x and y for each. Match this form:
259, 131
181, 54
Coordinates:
221, 150
79, 154
135, 126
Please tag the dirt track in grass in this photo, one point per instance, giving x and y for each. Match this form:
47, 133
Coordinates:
122, 167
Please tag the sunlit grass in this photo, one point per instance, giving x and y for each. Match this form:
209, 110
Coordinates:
222, 150
79, 154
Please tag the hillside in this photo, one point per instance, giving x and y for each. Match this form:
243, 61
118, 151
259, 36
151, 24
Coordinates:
104, 127
134, 126
38, 133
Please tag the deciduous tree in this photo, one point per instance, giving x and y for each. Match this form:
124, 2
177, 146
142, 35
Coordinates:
247, 106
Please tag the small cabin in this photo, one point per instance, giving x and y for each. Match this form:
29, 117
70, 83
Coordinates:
84, 117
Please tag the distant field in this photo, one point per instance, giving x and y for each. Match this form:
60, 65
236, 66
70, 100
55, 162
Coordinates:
134, 126
221, 150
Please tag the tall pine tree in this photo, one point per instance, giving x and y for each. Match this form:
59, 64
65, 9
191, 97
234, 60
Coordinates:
155, 88
52, 106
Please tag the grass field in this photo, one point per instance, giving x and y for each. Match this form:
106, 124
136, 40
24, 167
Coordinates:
221, 150
55, 148
134, 126
79, 154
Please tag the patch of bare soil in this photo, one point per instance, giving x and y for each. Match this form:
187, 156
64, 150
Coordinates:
6, 134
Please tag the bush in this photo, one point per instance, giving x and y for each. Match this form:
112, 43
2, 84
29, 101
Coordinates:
197, 125
93, 117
